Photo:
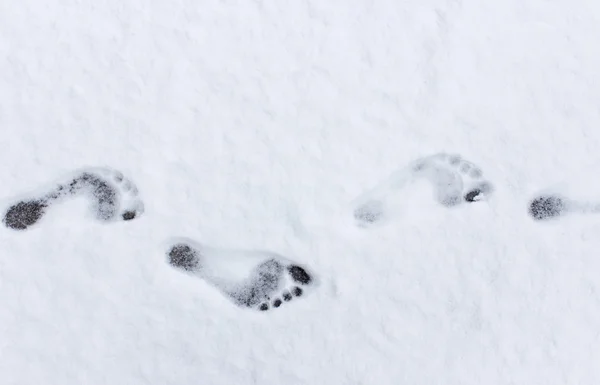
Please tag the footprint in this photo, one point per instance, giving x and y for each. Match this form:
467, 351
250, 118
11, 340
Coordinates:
572, 193
548, 206
454, 181
251, 279
113, 197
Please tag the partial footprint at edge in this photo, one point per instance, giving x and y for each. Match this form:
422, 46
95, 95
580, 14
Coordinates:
113, 197
454, 181
574, 193
251, 279
549, 205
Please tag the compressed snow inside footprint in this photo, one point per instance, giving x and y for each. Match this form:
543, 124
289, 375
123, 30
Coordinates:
111, 197
251, 279
453, 180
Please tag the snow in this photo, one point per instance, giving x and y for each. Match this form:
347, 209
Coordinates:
254, 125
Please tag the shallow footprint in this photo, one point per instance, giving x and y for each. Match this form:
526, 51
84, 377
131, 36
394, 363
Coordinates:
113, 197
251, 279
454, 181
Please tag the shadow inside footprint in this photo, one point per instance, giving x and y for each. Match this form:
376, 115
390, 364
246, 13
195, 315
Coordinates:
472, 195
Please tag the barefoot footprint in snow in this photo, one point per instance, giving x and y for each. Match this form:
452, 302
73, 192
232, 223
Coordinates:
558, 202
253, 279
113, 197
454, 181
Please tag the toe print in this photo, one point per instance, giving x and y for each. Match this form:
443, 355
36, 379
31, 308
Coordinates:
299, 275
369, 212
104, 187
472, 195
454, 180
129, 215
478, 192
250, 279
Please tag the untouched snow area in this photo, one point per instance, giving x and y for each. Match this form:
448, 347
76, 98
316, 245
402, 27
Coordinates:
254, 126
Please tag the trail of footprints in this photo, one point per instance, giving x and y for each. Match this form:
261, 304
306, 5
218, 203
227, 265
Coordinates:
263, 280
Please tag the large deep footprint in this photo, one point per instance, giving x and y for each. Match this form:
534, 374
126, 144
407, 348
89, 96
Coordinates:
112, 197
454, 180
250, 279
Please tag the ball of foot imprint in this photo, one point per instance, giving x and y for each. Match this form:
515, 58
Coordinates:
24, 214
546, 207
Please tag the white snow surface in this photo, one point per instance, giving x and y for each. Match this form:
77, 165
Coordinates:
253, 125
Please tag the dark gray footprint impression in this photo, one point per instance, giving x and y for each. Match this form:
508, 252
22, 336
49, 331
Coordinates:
549, 206
112, 196
546, 207
454, 180
250, 279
